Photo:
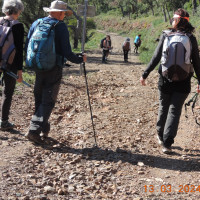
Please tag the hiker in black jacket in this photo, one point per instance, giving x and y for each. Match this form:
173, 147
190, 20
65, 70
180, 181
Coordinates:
172, 94
12, 10
126, 48
106, 45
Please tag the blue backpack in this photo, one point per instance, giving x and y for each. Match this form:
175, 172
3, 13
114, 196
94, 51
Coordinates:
41, 54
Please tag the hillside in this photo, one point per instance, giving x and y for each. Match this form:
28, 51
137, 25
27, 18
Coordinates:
149, 27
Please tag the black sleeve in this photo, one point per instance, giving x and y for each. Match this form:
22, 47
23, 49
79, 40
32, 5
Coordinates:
156, 57
75, 58
18, 35
195, 57
63, 46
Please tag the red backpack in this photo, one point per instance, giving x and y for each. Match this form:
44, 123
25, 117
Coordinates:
126, 46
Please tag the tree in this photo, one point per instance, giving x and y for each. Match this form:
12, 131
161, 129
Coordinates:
194, 6
150, 4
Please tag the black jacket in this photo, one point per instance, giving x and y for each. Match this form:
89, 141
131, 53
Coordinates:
163, 84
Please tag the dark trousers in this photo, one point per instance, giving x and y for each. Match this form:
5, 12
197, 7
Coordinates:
170, 107
46, 90
125, 55
136, 48
7, 93
104, 55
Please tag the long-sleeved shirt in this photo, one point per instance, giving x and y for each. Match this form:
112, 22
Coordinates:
62, 43
180, 86
18, 35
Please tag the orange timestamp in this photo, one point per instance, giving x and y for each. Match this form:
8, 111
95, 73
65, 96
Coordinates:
169, 188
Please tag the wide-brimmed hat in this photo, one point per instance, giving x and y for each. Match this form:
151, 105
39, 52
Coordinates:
57, 6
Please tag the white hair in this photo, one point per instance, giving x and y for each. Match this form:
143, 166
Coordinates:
12, 7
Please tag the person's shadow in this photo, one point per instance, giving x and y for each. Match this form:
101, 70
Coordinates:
155, 161
12, 134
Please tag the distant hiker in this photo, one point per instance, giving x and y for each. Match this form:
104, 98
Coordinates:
47, 82
13, 62
106, 46
178, 52
126, 48
137, 43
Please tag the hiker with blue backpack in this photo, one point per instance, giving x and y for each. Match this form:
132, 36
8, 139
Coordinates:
11, 55
48, 47
178, 52
137, 43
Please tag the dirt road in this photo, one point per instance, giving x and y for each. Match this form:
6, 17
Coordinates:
126, 164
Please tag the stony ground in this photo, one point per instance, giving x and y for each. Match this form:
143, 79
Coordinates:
127, 162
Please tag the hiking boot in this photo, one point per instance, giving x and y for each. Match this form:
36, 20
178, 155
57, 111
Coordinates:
34, 138
166, 150
6, 125
159, 140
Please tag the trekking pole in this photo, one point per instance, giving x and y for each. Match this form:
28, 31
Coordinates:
14, 76
85, 73
193, 101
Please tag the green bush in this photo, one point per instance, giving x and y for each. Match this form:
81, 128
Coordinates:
91, 24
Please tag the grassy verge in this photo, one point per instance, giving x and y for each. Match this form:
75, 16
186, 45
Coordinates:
93, 41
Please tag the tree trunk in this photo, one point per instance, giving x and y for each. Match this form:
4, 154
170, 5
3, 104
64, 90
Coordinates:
164, 13
151, 6
157, 4
122, 10
77, 29
194, 5
152, 10
168, 15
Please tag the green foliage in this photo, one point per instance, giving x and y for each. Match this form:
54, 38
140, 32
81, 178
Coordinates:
91, 23
29, 77
188, 6
156, 22
94, 40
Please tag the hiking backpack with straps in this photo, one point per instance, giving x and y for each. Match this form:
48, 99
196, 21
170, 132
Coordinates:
176, 56
41, 53
126, 46
7, 46
105, 44
101, 44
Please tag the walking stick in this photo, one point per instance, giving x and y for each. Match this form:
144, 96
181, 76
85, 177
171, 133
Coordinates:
85, 73
88, 94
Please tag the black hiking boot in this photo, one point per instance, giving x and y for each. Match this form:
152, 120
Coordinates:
6, 125
35, 138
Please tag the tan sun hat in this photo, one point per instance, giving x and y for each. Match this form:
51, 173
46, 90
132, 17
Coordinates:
57, 6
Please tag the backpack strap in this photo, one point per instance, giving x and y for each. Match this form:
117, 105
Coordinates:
53, 22
10, 22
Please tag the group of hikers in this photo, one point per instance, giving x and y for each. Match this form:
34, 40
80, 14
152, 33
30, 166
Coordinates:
126, 47
177, 50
